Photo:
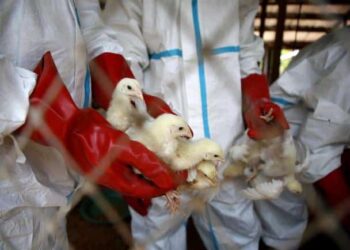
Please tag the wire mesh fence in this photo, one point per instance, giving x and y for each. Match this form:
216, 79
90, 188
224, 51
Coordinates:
108, 209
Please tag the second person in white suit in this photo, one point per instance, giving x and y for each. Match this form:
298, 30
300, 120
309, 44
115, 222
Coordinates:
202, 58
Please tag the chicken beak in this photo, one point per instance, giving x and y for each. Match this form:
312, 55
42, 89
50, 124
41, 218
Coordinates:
139, 95
188, 134
191, 131
136, 95
213, 181
218, 162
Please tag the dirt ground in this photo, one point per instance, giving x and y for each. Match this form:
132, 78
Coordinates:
83, 234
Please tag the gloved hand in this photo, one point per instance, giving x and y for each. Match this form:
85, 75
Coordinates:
141, 205
107, 70
88, 141
263, 118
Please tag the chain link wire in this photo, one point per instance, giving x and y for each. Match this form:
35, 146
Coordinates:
325, 220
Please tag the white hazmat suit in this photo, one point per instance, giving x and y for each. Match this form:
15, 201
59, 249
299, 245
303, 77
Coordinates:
33, 186
314, 93
193, 54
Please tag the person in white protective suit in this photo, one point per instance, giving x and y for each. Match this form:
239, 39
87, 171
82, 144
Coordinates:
202, 58
315, 95
36, 179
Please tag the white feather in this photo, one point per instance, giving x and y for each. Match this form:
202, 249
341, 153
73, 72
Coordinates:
161, 135
269, 165
265, 190
239, 152
191, 153
252, 194
206, 176
123, 111
192, 174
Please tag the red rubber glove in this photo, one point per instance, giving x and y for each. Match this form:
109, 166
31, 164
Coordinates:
263, 118
88, 141
107, 70
141, 205
335, 189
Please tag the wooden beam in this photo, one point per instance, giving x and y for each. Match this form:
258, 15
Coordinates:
309, 16
316, 2
346, 18
289, 45
282, 10
300, 28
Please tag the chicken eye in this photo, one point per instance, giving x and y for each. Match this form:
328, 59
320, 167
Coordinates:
216, 156
129, 87
181, 128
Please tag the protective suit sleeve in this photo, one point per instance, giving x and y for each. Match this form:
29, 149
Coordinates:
16, 84
308, 68
314, 93
252, 46
98, 37
125, 16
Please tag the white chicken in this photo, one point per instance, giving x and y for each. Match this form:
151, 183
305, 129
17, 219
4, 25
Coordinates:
206, 175
201, 158
127, 112
162, 135
190, 153
123, 112
269, 165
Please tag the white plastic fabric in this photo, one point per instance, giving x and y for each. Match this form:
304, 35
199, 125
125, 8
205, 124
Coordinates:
27, 227
283, 220
31, 191
193, 55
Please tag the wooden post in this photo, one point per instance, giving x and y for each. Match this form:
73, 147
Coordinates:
262, 18
282, 9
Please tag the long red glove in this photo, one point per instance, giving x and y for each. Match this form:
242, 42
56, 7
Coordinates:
89, 142
263, 118
335, 189
107, 70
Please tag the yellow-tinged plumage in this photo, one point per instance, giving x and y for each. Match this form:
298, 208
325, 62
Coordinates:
162, 135
123, 112
191, 153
